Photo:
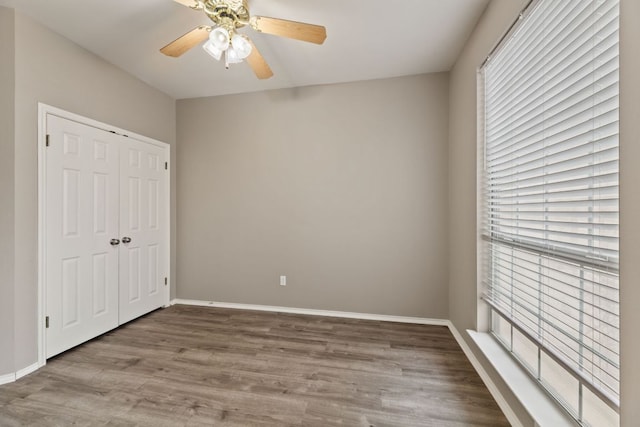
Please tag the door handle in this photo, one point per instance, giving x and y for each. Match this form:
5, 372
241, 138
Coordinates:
126, 239
114, 242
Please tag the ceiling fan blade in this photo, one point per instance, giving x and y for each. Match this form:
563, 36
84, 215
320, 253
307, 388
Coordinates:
258, 64
193, 4
291, 29
186, 42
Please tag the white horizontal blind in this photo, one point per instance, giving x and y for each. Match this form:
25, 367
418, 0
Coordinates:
550, 190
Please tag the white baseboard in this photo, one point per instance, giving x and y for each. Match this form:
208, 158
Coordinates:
27, 370
493, 389
7, 378
314, 312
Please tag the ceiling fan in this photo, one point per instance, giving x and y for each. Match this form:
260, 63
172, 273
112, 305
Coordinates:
224, 39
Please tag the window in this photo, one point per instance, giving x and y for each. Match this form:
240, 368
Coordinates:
550, 201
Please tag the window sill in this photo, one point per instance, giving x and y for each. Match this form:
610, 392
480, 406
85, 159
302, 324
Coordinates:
540, 406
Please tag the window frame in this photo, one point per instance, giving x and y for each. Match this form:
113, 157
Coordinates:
492, 311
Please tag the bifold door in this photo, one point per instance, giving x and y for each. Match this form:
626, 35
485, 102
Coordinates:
106, 231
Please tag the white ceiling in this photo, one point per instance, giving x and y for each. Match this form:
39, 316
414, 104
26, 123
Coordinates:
366, 39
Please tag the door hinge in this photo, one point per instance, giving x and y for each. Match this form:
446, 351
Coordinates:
165, 281
46, 142
166, 165
46, 322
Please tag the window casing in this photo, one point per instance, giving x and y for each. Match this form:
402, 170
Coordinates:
549, 197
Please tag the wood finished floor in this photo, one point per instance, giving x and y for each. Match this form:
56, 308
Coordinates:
192, 366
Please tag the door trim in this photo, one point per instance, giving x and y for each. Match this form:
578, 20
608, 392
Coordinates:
43, 111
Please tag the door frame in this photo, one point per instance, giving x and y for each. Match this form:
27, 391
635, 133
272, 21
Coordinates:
43, 111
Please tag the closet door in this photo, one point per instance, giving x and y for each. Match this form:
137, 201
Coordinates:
81, 264
143, 229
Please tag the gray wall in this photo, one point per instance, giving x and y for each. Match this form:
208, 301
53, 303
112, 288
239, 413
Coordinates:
341, 188
6, 189
50, 69
630, 211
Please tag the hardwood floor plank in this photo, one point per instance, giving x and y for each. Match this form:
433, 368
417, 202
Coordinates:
201, 366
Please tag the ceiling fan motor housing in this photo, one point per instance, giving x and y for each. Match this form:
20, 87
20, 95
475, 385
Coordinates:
233, 13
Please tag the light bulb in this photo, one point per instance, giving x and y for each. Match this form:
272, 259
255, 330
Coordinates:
219, 37
210, 48
232, 56
241, 46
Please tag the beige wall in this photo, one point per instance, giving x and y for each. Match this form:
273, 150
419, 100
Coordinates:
52, 70
341, 188
6, 189
630, 211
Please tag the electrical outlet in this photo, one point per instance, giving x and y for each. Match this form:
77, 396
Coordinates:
283, 280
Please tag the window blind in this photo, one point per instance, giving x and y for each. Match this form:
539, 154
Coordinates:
550, 185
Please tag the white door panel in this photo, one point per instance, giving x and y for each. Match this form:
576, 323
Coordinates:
143, 219
101, 186
81, 219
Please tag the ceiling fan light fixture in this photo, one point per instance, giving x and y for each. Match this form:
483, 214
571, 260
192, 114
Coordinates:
241, 46
223, 40
210, 48
220, 39
232, 56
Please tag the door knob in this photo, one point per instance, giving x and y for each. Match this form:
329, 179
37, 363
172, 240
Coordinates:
114, 242
126, 239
